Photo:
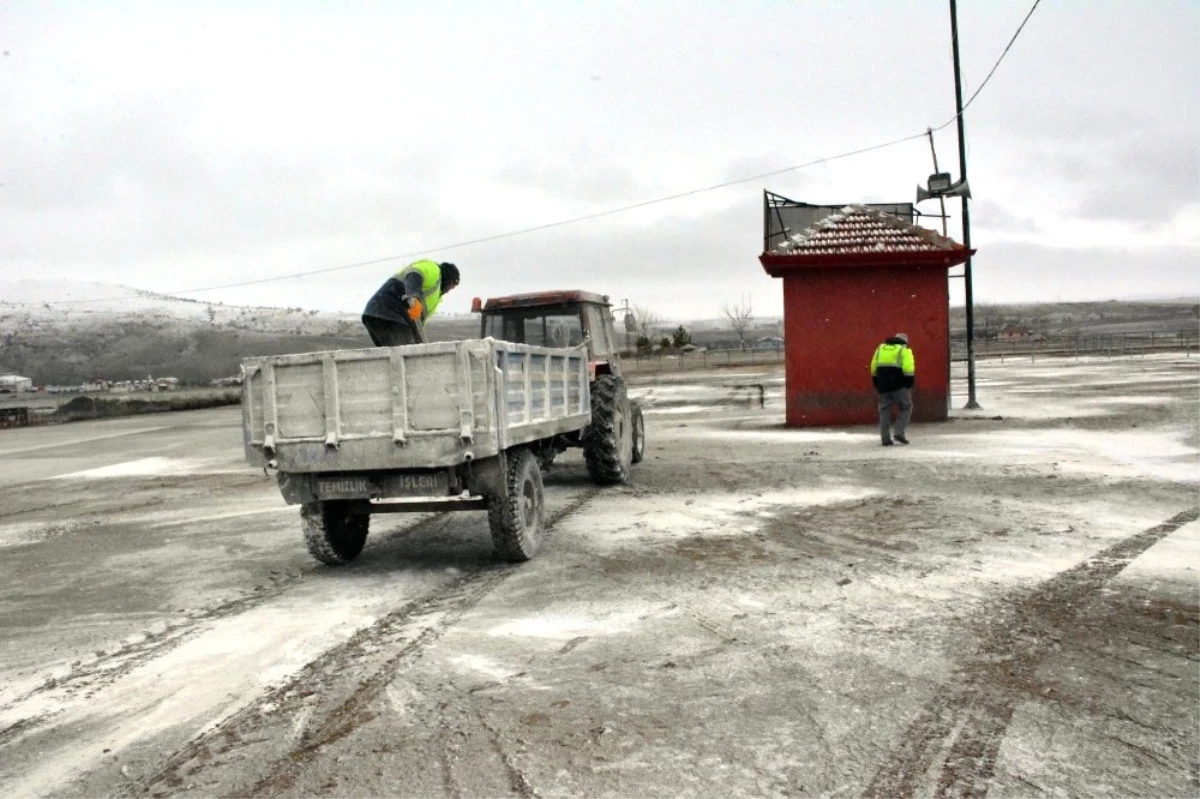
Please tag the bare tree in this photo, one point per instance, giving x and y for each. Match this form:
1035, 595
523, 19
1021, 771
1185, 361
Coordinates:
739, 317
647, 322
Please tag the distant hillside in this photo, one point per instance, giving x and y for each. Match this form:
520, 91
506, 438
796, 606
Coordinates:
72, 333
1090, 318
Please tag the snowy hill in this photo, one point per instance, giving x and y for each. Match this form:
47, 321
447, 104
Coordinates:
60, 332
40, 303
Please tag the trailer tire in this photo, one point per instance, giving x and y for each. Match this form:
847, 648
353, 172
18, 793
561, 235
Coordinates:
639, 435
334, 535
608, 440
518, 517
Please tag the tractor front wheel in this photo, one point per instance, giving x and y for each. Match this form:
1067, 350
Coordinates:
608, 440
639, 435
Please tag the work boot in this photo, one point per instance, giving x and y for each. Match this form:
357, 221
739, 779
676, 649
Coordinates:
887, 442
901, 440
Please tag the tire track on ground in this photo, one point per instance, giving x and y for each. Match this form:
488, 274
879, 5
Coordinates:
378, 651
88, 678
972, 714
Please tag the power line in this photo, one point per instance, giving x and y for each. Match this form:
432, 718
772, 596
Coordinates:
559, 223
499, 236
992, 71
586, 217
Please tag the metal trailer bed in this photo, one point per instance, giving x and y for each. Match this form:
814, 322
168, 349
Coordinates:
454, 424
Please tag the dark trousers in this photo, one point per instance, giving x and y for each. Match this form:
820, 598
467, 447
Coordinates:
901, 398
386, 333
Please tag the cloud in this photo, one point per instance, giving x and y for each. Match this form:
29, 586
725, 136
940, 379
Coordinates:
129, 182
1142, 179
168, 148
585, 180
1011, 271
990, 216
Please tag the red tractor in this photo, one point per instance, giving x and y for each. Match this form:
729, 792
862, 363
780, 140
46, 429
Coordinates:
616, 436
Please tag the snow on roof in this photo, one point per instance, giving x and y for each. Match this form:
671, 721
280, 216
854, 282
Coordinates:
857, 229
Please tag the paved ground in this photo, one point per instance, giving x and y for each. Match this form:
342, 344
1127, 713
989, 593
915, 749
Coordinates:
1007, 607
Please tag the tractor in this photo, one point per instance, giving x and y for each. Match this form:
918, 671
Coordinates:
616, 436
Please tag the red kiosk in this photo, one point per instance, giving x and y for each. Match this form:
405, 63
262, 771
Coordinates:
850, 281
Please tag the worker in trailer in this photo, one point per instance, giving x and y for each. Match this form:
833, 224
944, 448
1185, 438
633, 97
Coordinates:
893, 372
397, 312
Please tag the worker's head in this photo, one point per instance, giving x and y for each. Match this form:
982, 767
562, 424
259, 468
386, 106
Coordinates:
902, 336
449, 276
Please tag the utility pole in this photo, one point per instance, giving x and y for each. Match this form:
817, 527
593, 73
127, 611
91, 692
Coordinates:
624, 307
966, 216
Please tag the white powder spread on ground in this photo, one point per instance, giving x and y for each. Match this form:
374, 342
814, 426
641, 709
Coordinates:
152, 467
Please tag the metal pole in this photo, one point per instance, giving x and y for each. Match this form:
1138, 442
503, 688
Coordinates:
966, 216
625, 307
949, 334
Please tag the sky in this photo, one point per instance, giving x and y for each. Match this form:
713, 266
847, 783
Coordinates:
308, 150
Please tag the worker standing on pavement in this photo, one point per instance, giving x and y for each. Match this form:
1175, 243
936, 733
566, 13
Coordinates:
893, 370
396, 314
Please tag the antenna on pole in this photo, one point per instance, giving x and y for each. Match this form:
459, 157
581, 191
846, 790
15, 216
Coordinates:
629, 322
941, 197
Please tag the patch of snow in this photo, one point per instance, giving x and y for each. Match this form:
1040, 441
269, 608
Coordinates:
70, 441
485, 666
1157, 454
151, 467
567, 626
633, 521
1174, 559
51, 304
239, 655
679, 409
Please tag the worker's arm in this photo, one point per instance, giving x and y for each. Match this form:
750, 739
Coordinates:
413, 284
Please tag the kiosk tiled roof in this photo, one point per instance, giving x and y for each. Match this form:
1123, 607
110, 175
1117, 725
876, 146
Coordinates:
857, 229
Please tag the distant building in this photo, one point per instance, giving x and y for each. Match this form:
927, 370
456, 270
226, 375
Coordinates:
166, 384
1013, 333
768, 343
14, 417
15, 384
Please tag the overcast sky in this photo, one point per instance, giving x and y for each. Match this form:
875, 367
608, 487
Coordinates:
175, 146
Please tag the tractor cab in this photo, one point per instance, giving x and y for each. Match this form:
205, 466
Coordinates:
616, 436
554, 319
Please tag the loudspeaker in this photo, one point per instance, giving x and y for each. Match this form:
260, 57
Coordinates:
960, 189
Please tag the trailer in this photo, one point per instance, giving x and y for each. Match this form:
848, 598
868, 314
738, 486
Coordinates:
425, 427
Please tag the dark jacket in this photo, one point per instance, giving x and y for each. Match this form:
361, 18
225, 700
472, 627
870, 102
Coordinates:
388, 303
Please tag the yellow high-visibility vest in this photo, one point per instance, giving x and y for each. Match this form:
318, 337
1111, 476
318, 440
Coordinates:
894, 355
431, 284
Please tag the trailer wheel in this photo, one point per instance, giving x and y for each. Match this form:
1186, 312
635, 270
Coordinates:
518, 518
639, 435
334, 535
608, 440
